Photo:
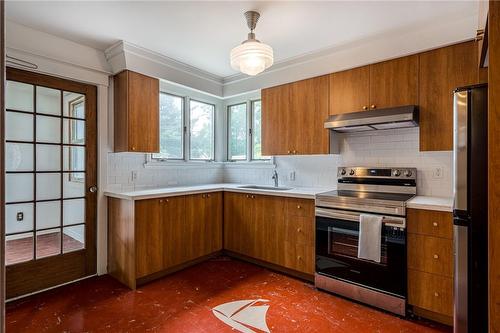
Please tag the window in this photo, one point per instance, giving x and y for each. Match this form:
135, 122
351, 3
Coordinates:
237, 120
171, 127
240, 125
257, 131
76, 134
201, 130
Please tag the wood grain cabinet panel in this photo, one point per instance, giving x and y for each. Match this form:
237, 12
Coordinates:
175, 233
431, 223
293, 116
430, 254
350, 90
431, 292
136, 113
275, 115
394, 83
441, 71
149, 237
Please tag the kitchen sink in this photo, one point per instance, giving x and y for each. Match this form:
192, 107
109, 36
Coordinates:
269, 188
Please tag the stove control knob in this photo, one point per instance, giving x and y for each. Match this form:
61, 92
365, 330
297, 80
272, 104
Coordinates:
408, 173
396, 173
351, 172
343, 172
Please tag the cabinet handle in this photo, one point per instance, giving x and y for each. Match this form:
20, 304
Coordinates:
161, 201
373, 106
299, 230
365, 107
208, 195
166, 200
133, 148
299, 207
299, 258
253, 196
436, 256
203, 196
436, 294
248, 196
289, 151
435, 224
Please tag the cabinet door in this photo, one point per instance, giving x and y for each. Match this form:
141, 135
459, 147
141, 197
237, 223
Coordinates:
213, 213
431, 292
269, 217
234, 221
136, 99
305, 130
394, 83
275, 113
175, 234
350, 90
149, 237
441, 71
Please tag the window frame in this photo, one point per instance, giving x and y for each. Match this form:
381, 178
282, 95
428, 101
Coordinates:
187, 130
250, 133
183, 136
228, 132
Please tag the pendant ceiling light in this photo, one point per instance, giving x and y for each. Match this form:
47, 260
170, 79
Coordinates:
251, 57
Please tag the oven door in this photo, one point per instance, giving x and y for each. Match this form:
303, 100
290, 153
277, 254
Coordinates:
337, 234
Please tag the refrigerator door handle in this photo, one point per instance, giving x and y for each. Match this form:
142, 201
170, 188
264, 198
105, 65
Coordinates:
460, 142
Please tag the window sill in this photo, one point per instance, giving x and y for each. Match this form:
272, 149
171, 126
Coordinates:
150, 163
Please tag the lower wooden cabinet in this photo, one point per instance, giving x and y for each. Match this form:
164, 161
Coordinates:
430, 264
273, 229
147, 237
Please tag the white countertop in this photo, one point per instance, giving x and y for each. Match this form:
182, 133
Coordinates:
431, 203
295, 192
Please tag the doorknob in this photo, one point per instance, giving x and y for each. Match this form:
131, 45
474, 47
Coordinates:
93, 189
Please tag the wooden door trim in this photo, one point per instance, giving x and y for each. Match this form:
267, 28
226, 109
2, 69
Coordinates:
2, 166
44, 273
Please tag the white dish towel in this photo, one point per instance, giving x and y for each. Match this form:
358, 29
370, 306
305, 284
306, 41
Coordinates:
370, 237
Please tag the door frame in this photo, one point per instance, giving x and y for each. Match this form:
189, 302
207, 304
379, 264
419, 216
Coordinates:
32, 276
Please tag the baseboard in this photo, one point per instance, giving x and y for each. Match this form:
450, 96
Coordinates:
271, 266
145, 279
434, 316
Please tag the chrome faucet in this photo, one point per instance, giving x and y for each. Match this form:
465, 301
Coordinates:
275, 177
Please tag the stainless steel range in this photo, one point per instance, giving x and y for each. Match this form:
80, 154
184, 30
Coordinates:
375, 191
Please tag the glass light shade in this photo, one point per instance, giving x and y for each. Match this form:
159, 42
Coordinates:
251, 57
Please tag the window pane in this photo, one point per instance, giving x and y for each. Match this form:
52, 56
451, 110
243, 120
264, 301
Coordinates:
257, 131
201, 130
171, 127
238, 132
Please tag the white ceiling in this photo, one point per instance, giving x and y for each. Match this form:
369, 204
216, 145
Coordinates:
201, 34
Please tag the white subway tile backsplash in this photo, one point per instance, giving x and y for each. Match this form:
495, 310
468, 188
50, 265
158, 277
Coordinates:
389, 148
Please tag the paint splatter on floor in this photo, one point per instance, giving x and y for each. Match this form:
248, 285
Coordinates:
183, 302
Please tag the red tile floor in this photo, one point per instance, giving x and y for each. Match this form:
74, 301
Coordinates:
20, 250
183, 302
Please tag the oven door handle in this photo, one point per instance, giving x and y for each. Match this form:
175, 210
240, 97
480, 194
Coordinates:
392, 221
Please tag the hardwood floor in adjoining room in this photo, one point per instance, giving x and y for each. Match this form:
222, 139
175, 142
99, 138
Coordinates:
183, 302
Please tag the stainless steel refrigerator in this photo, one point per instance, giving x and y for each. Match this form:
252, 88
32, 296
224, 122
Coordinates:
470, 211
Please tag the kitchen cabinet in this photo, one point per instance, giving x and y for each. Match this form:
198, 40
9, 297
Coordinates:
149, 238
394, 83
482, 33
441, 71
136, 113
203, 224
293, 116
276, 230
430, 264
350, 90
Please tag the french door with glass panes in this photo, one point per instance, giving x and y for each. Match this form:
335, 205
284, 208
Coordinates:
50, 181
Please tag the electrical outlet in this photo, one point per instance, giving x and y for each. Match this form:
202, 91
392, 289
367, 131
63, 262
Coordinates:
133, 176
437, 173
292, 176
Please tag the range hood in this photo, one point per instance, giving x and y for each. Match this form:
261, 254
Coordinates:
379, 119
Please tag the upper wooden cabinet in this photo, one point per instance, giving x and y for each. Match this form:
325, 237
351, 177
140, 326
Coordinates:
350, 90
293, 116
394, 83
136, 113
441, 71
